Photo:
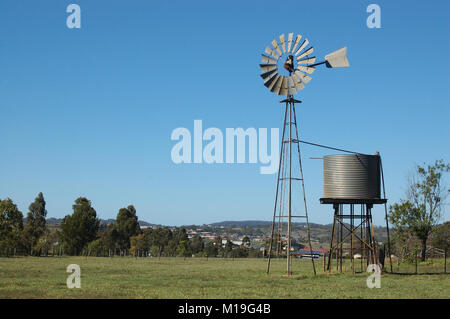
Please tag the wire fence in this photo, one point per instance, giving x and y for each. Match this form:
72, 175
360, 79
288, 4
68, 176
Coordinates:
436, 263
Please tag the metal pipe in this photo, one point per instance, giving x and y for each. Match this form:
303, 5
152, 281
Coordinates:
386, 216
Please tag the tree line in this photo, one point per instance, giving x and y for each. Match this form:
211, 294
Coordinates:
81, 233
415, 219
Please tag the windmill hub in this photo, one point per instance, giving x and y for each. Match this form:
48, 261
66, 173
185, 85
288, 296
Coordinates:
289, 64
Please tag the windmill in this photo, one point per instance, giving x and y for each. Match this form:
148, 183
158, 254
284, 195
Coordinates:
296, 61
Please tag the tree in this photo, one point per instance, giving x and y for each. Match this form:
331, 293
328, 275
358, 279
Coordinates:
441, 237
11, 224
47, 242
109, 237
228, 247
211, 249
170, 239
246, 241
35, 225
240, 252
183, 249
196, 244
126, 226
139, 243
80, 228
171, 248
95, 247
421, 211
161, 238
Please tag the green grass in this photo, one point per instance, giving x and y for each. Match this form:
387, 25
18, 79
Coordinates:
127, 277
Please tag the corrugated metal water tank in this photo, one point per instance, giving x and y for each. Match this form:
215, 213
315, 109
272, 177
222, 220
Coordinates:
355, 176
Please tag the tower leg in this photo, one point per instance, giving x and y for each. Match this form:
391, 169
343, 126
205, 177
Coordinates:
288, 252
303, 189
276, 195
341, 251
330, 252
351, 238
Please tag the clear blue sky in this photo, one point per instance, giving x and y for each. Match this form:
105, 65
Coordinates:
89, 112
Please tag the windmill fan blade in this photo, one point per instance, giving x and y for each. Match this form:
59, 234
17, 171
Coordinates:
307, 52
271, 52
268, 74
307, 60
284, 87
297, 41
275, 45
283, 44
291, 86
277, 87
269, 77
298, 82
268, 59
302, 76
307, 69
290, 36
304, 44
337, 59
267, 67
274, 82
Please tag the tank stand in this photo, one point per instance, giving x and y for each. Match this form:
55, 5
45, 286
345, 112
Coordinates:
355, 236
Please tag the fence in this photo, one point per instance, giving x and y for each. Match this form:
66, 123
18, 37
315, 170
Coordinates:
436, 263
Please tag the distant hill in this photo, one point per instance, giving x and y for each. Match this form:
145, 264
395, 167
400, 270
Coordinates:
259, 223
58, 221
241, 223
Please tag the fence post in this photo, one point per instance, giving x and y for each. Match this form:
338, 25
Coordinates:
323, 262
445, 260
416, 262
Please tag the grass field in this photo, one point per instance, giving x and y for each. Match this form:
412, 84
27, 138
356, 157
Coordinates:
127, 277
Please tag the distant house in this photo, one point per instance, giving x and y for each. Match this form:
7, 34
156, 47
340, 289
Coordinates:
191, 234
315, 251
211, 237
234, 242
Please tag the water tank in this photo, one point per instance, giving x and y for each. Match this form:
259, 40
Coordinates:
354, 176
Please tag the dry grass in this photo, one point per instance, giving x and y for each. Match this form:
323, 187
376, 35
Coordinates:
127, 277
